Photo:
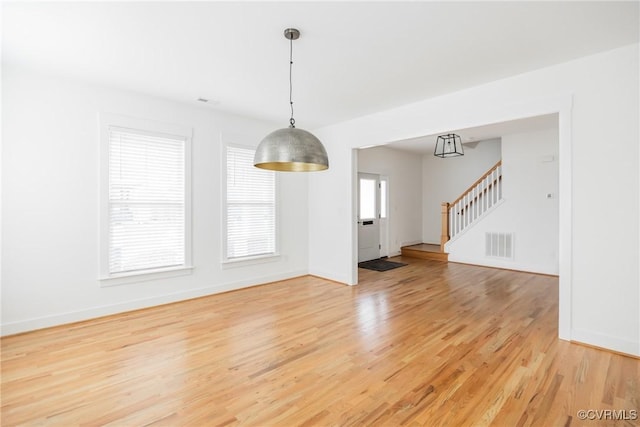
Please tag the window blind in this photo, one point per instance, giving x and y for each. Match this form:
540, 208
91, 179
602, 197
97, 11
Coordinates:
250, 205
146, 194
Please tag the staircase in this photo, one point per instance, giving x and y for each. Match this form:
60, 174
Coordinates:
483, 195
473, 204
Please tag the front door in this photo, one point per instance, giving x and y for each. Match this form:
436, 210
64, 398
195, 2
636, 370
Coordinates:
368, 217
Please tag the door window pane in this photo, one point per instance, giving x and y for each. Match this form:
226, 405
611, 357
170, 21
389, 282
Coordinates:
367, 198
383, 199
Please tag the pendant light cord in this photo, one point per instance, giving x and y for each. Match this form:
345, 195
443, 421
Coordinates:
292, 121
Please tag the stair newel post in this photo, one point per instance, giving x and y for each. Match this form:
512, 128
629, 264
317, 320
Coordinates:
444, 236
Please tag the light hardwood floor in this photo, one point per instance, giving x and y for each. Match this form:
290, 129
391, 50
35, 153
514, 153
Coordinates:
430, 343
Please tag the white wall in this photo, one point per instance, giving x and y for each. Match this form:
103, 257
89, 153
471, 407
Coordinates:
405, 192
597, 98
443, 180
50, 171
529, 173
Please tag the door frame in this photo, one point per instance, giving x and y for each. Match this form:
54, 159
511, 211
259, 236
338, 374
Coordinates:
384, 222
562, 104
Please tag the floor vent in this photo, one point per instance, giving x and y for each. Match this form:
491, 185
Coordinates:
499, 245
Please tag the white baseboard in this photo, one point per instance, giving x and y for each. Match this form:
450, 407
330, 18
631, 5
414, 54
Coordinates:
411, 243
507, 265
606, 341
26, 325
331, 276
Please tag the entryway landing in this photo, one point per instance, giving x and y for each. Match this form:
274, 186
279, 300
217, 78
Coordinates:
425, 251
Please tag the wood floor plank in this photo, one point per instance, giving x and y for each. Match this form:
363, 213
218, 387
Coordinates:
427, 344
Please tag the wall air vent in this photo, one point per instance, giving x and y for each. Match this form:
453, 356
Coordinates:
499, 245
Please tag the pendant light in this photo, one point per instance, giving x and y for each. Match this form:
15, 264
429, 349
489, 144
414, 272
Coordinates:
449, 145
291, 149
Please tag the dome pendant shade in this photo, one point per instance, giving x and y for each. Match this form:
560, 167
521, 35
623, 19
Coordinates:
291, 150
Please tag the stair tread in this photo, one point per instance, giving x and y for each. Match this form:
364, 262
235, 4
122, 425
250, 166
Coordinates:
425, 251
424, 247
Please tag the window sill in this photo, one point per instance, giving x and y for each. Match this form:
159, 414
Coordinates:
143, 276
253, 260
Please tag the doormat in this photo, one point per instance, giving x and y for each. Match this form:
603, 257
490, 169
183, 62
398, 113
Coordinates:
380, 265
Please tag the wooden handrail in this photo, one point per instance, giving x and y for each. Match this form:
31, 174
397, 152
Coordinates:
472, 186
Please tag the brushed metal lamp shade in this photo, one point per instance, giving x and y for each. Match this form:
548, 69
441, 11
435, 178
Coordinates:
291, 149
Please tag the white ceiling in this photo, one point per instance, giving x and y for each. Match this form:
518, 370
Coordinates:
353, 58
471, 137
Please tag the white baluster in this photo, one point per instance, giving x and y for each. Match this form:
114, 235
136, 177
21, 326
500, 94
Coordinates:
466, 210
470, 207
489, 191
463, 214
493, 187
485, 195
454, 219
458, 217
480, 205
497, 186
452, 231
472, 214
475, 203
500, 181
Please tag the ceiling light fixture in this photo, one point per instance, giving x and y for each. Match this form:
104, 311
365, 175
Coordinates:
291, 149
449, 145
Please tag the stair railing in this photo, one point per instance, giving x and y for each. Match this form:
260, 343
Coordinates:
481, 196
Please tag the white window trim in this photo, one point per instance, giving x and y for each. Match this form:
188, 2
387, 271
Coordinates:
253, 259
107, 120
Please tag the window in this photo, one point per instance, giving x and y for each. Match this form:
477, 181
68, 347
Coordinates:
368, 198
145, 201
250, 208
383, 197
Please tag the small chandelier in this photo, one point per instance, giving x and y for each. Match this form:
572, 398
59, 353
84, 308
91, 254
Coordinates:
290, 149
449, 145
